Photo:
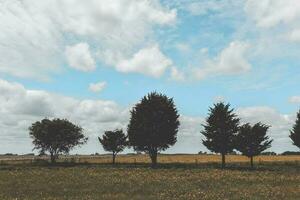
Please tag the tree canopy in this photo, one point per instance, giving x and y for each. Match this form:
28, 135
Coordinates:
220, 129
295, 132
252, 140
56, 136
113, 141
153, 125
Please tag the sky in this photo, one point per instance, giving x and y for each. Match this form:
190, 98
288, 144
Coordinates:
91, 61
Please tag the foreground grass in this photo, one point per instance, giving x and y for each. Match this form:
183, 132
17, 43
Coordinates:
276, 181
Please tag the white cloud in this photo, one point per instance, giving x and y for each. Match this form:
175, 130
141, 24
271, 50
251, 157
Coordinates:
294, 99
97, 87
220, 8
231, 61
268, 13
203, 7
190, 126
183, 47
189, 136
281, 14
176, 74
204, 50
294, 35
30, 42
149, 61
21, 107
108, 16
34, 33
79, 57
219, 98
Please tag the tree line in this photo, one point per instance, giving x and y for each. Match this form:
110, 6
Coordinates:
153, 128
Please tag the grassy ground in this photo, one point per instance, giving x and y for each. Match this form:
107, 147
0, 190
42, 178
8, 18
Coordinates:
163, 158
275, 180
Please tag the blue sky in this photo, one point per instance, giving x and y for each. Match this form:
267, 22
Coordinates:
90, 61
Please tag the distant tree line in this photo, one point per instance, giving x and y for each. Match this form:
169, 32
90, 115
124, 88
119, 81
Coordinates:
153, 128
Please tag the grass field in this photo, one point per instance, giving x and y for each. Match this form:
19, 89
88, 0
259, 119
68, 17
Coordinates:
162, 158
275, 177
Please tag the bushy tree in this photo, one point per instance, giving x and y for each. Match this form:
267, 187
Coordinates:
153, 125
113, 141
252, 140
56, 136
295, 132
220, 130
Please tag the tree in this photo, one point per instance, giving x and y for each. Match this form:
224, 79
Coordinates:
252, 140
56, 136
295, 132
220, 130
113, 141
153, 125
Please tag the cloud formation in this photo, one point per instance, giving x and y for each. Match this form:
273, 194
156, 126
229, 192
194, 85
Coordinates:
79, 57
34, 34
268, 13
294, 99
232, 60
97, 87
276, 13
21, 107
149, 61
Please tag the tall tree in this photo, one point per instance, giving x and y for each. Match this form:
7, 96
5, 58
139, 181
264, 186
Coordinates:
220, 130
252, 140
56, 136
153, 125
295, 132
113, 141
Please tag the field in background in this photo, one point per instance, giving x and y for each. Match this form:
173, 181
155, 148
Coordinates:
162, 158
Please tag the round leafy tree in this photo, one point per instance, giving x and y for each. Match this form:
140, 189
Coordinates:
113, 141
295, 132
153, 125
220, 130
252, 140
56, 136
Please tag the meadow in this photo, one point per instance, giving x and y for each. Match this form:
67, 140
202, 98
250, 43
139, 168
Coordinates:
162, 158
177, 177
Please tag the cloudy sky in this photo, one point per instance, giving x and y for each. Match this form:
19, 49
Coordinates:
91, 61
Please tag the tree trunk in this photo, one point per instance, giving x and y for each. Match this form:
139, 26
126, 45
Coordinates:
251, 161
52, 157
153, 156
113, 158
223, 160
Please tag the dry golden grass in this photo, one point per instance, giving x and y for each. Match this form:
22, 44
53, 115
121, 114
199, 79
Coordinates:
187, 159
162, 158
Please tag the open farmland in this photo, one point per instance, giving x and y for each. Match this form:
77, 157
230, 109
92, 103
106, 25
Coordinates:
162, 158
276, 177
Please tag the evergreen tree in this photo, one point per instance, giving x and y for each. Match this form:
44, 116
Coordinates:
220, 130
153, 125
113, 141
252, 140
295, 132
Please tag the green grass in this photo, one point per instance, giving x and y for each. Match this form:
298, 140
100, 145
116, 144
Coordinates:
276, 181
